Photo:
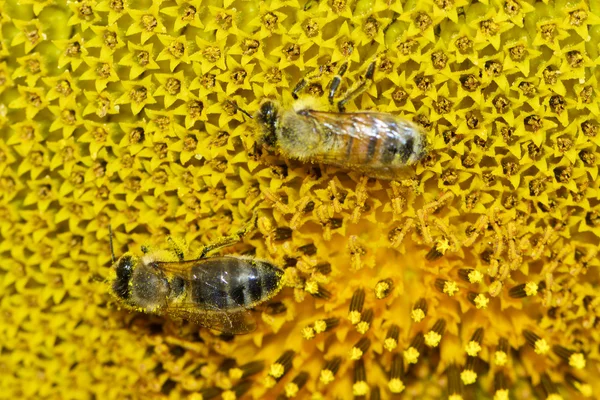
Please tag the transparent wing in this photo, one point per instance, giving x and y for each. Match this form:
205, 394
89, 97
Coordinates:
234, 323
362, 125
362, 132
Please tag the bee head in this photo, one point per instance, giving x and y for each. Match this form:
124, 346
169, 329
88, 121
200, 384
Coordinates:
267, 116
123, 272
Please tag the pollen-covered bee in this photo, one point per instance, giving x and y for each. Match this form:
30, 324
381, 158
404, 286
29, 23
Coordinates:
214, 292
380, 145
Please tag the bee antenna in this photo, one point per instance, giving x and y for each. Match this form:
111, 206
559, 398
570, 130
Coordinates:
238, 108
110, 240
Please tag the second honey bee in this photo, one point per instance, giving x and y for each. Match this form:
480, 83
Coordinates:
377, 144
214, 292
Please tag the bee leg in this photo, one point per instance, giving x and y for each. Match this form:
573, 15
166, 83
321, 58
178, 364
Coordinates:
226, 241
176, 249
304, 81
352, 94
335, 82
299, 86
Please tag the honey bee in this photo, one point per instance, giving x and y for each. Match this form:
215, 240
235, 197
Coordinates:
214, 292
380, 145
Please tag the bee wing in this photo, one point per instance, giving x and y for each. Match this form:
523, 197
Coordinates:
356, 138
361, 125
177, 267
233, 323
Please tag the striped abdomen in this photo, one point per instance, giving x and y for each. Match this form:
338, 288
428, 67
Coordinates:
377, 142
232, 283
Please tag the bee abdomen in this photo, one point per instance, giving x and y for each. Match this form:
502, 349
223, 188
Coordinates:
232, 283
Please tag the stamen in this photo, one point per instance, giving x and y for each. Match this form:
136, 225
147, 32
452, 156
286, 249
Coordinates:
395, 383
360, 387
434, 336
419, 311
360, 348
329, 370
356, 306
383, 288
365, 321
391, 339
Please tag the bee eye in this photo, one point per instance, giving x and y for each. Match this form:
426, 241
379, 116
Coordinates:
124, 267
124, 272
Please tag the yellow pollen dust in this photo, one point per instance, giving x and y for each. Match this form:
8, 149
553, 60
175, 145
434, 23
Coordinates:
311, 287
411, 355
390, 344
291, 389
531, 288
396, 385
577, 361
432, 339
417, 315
554, 396
501, 394
468, 376
381, 290
270, 382
308, 333
326, 376
500, 358
277, 370
475, 276
362, 327
320, 326
356, 353
584, 388
455, 397
450, 288
354, 317
228, 395
473, 348
481, 301
541, 347
360, 388
442, 246
236, 373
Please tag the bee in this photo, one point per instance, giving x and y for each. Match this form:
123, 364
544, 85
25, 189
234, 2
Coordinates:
215, 292
380, 145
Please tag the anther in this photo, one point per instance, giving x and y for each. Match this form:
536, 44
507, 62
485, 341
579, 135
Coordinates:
539, 345
383, 288
356, 305
330, 369
391, 338
360, 348
419, 311
434, 336
395, 383
360, 386
365, 321
293, 387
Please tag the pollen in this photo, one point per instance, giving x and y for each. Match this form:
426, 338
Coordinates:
360, 388
500, 358
468, 377
432, 339
473, 348
411, 355
277, 370
308, 333
390, 344
396, 386
475, 276
577, 361
139, 116
417, 315
531, 288
481, 301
